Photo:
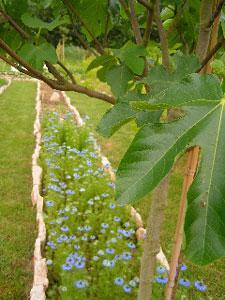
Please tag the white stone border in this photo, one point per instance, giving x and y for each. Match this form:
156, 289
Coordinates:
5, 86
40, 279
141, 231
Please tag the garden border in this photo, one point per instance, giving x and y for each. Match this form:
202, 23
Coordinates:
5, 86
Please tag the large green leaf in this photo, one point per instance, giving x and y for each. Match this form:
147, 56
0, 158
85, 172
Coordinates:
114, 118
118, 78
94, 14
36, 55
154, 150
133, 56
205, 222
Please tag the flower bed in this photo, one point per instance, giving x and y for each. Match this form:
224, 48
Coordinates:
91, 250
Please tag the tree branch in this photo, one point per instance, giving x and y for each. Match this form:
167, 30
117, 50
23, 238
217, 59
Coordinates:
55, 84
146, 4
71, 8
216, 12
134, 23
150, 17
177, 17
23, 33
204, 32
67, 71
162, 36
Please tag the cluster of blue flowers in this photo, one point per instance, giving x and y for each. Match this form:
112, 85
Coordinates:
91, 248
91, 242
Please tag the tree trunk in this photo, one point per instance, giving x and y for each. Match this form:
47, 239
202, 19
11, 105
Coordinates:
152, 240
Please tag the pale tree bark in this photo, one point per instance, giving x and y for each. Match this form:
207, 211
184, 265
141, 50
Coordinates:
152, 239
159, 201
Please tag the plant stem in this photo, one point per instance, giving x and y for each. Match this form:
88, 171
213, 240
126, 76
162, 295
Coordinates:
152, 240
162, 36
190, 172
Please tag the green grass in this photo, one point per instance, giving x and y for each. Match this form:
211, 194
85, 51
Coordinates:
114, 148
17, 217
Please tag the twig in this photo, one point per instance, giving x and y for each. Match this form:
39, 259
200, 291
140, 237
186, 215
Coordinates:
67, 71
216, 13
125, 7
134, 23
211, 54
150, 18
146, 4
23, 33
162, 36
55, 73
190, 171
71, 8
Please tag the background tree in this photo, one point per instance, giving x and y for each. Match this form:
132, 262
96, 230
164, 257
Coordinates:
173, 103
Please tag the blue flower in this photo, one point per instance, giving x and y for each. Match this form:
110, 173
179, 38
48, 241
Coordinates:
84, 238
184, 282
160, 270
127, 289
49, 262
183, 267
76, 176
131, 245
161, 280
80, 284
105, 195
200, 286
116, 219
70, 260
108, 263
104, 225
112, 205
92, 237
126, 256
80, 264
49, 203
88, 162
87, 228
101, 252
64, 228
119, 281
66, 267
110, 250
70, 192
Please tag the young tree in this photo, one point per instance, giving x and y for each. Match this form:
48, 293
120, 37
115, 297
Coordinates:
175, 104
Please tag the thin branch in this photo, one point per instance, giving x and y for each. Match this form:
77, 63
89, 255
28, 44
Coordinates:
67, 71
71, 8
134, 23
206, 11
23, 33
125, 7
150, 16
162, 36
106, 27
146, 4
14, 65
219, 44
177, 17
216, 13
55, 84
55, 73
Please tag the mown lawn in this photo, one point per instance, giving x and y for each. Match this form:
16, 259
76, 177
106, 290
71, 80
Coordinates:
114, 148
17, 217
